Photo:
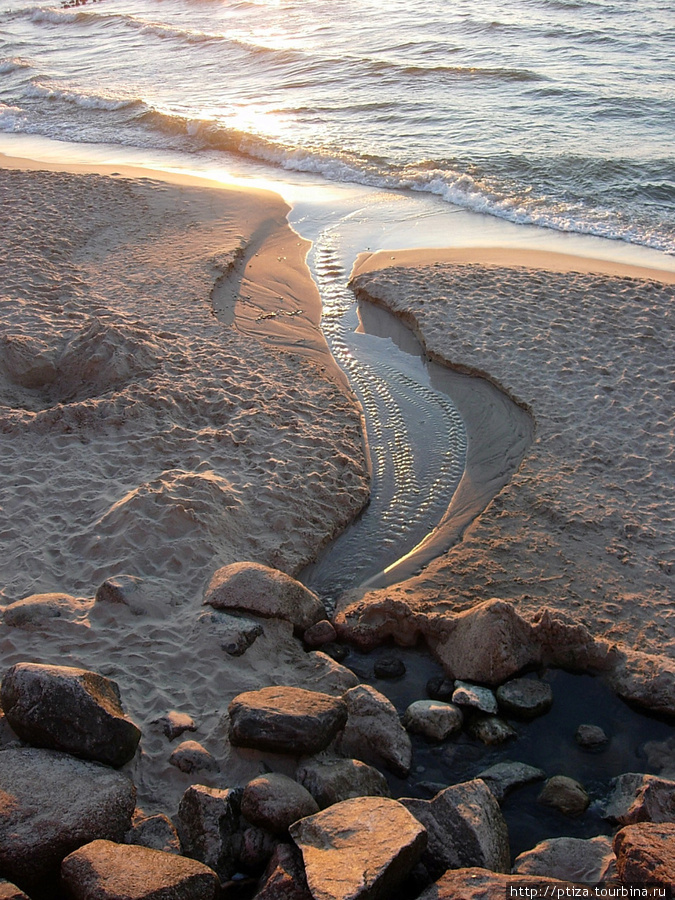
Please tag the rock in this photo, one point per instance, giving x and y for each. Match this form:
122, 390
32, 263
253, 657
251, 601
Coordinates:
646, 681
284, 878
336, 651
255, 847
286, 720
473, 695
155, 832
565, 644
190, 756
590, 737
373, 732
526, 698
464, 825
491, 730
564, 794
253, 588
275, 801
69, 709
319, 634
11, 892
504, 777
480, 884
51, 804
645, 853
570, 859
441, 688
434, 720
360, 848
331, 781
207, 823
661, 756
389, 667
335, 677
104, 870
636, 797
122, 590
175, 723
32, 612
488, 643
236, 633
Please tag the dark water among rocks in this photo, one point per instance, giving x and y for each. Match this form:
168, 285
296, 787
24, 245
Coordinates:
547, 742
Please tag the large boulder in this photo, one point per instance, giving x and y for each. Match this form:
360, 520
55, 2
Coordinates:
481, 884
636, 797
74, 710
646, 681
286, 720
359, 849
570, 859
207, 824
104, 870
284, 878
257, 589
51, 804
333, 780
488, 643
645, 853
465, 827
275, 801
373, 732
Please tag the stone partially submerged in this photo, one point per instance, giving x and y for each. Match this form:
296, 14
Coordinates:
286, 720
465, 827
374, 733
360, 848
51, 804
104, 870
262, 591
636, 797
69, 709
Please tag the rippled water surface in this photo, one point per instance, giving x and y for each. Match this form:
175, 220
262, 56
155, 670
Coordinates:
553, 112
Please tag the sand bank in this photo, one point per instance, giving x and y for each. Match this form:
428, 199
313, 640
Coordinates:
160, 417
586, 524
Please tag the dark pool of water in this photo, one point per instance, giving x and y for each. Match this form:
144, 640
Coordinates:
547, 742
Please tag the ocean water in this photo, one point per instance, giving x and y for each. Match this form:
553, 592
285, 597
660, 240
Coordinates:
556, 113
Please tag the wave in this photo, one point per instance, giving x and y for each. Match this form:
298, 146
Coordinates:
7, 66
38, 89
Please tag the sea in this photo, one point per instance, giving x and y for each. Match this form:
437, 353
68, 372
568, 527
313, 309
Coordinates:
558, 114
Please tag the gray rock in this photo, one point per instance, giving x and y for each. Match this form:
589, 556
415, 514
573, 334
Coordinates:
504, 777
262, 591
435, 720
636, 797
465, 826
590, 737
661, 757
481, 884
284, 878
51, 804
373, 732
441, 688
275, 801
236, 633
564, 794
207, 824
645, 854
334, 676
190, 756
389, 667
32, 612
155, 832
286, 720
570, 859
174, 723
331, 781
360, 848
69, 709
319, 634
122, 590
491, 730
104, 870
525, 697
473, 695
646, 681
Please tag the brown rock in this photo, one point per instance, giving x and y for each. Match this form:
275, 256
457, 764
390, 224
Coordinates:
645, 853
284, 878
262, 591
286, 720
207, 823
32, 612
373, 732
636, 797
104, 870
360, 848
275, 801
319, 634
646, 681
11, 892
74, 710
481, 884
570, 859
564, 794
190, 756
330, 781
174, 723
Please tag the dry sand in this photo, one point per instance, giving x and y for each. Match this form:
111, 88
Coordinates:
586, 525
168, 405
